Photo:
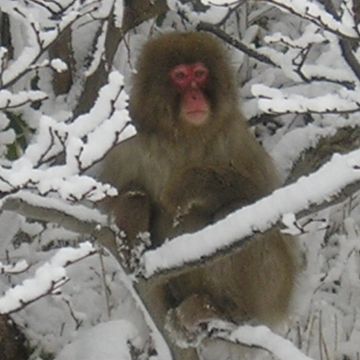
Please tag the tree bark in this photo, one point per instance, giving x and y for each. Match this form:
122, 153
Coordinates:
12, 341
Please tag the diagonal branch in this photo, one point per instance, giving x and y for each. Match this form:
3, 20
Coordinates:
214, 29
172, 258
331, 184
345, 44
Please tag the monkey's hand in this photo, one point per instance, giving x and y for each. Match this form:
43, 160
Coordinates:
131, 212
187, 324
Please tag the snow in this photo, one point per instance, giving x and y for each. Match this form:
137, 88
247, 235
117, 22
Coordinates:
213, 14
263, 337
111, 342
286, 152
8, 99
118, 13
275, 101
99, 53
58, 65
45, 278
20, 266
307, 38
81, 212
7, 137
260, 336
48, 278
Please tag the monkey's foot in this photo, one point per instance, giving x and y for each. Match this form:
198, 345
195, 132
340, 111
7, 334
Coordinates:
188, 323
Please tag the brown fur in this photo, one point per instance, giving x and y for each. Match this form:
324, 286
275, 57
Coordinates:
191, 178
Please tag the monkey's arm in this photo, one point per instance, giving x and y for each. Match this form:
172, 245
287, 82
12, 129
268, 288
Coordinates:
131, 208
208, 191
131, 213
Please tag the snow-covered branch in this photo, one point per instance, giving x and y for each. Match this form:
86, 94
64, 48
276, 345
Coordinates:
330, 184
9, 100
77, 218
328, 22
259, 337
17, 268
313, 12
293, 63
248, 50
40, 37
84, 141
48, 279
274, 101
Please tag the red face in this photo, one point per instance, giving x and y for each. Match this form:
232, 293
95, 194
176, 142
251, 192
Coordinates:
190, 80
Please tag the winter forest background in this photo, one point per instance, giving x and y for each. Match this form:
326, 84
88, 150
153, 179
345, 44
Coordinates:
65, 70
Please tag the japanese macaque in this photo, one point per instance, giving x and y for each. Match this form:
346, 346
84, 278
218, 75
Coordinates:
192, 162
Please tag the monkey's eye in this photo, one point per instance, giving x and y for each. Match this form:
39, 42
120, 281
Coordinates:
200, 72
179, 75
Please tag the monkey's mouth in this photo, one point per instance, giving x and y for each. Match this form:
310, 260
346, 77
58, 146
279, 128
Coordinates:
196, 117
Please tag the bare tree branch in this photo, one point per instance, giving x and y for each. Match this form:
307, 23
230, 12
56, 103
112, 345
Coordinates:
135, 13
62, 48
325, 20
56, 213
257, 55
345, 44
42, 49
234, 42
345, 140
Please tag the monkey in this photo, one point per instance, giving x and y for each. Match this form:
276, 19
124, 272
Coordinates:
192, 162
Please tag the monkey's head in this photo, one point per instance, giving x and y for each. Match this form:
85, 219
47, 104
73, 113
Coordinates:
184, 84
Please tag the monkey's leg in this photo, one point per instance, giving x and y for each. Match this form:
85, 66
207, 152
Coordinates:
185, 354
156, 300
187, 323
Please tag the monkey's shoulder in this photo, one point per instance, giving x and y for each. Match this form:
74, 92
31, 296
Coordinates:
121, 162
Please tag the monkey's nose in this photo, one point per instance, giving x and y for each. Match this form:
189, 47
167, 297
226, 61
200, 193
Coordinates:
193, 84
